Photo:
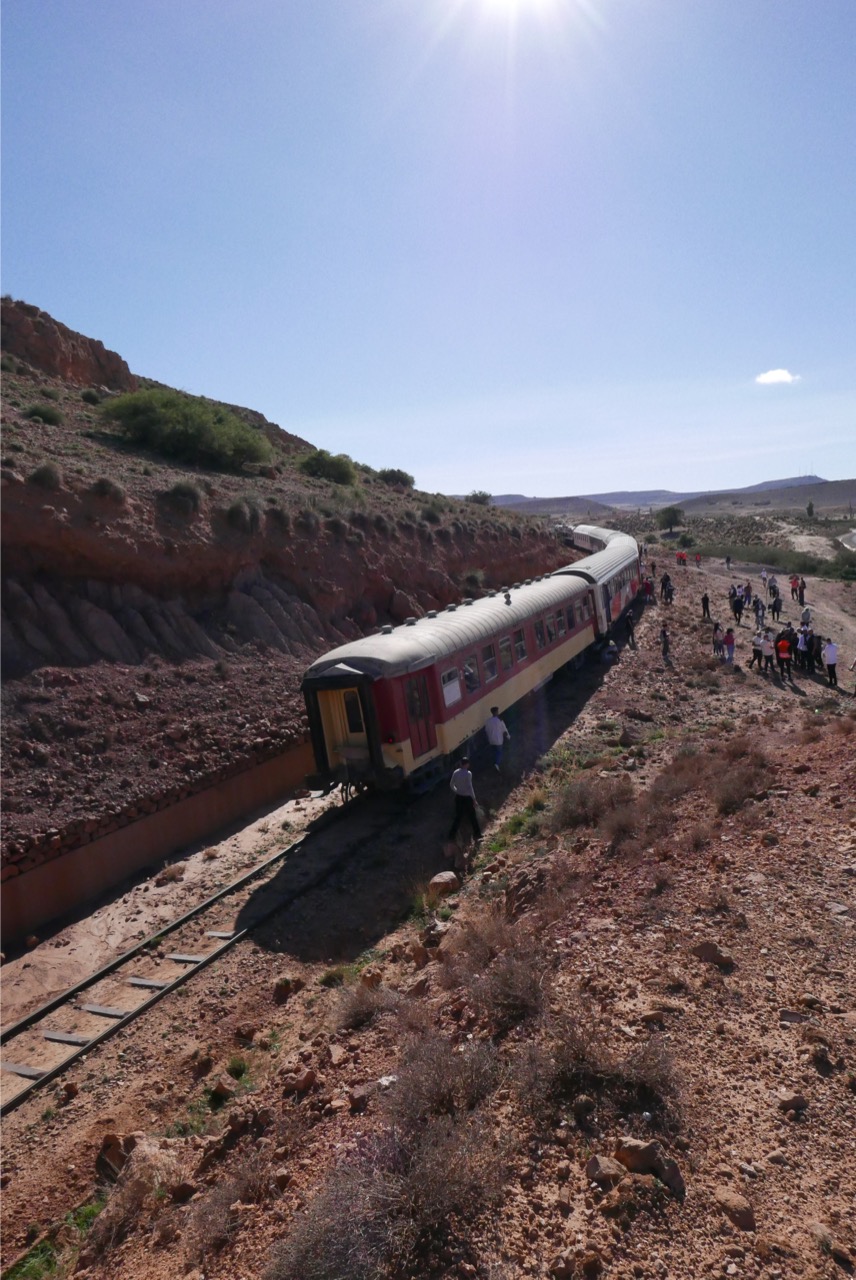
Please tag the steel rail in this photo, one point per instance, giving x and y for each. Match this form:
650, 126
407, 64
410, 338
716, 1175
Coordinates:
58, 1001
68, 995
15, 1028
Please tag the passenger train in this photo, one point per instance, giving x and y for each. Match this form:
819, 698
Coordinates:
396, 708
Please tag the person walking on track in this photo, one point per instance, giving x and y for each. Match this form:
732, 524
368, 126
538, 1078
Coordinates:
497, 735
465, 800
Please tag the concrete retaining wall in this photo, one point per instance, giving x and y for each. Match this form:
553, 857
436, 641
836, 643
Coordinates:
40, 895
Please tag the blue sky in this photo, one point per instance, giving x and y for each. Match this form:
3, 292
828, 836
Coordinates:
537, 246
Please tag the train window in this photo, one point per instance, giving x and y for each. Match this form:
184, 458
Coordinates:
451, 682
572, 620
540, 638
506, 657
353, 712
415, 709
560, 623
471, 673
520, 645
551, 629
489, 662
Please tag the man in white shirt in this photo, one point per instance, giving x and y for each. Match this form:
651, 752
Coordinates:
830, 657
496, 735
465, 799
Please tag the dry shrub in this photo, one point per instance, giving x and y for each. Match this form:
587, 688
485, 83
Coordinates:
699, 838
737, 748
475, 944
118, 1218
621, 824
348, 1229
453, 1168
584, 803
358, 1005
512, 988
733, 789
436, 1079
213, 1221
575, 1057
396, 1194
214, 1217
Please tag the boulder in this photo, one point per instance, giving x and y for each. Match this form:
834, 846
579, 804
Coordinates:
711, 953
604, 1170
649, 1157
735, 1207
444, 883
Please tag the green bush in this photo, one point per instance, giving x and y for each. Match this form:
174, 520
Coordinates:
47, 476
394, 476
480, 497
184, 498
245, 516
108, 489
90, 396
188, 429
327, 466
44, 413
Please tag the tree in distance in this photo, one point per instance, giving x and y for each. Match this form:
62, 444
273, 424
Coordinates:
188, 429
481, 497
668, 517
810, 509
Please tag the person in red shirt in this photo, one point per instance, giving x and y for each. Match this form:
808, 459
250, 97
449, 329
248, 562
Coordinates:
783, 655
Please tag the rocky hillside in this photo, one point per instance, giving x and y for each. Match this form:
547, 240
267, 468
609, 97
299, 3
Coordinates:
157, 616
624, 1047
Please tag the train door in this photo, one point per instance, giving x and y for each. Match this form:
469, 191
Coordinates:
344, 724
422, 735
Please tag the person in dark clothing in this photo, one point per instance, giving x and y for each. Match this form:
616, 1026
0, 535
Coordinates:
776, 607
465, 800
631, 631
801, 592
738, 609
705, 606
664, 640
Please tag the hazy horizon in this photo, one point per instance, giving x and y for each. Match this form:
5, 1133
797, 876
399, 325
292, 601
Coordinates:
534, 246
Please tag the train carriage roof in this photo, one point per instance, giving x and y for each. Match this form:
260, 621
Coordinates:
415, 646
601, 535
600, 567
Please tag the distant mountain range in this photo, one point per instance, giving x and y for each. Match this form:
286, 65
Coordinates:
647, 497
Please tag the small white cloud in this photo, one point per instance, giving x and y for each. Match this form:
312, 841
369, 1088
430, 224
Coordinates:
773, 376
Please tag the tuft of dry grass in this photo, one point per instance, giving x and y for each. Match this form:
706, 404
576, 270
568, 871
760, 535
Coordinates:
358, 1005
584, 803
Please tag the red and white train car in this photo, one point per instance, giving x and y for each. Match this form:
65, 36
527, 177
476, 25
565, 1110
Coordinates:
398, 706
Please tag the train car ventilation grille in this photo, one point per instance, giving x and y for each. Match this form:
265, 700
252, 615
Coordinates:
386, 630
450, 608
432, 613
410, 622
468, 600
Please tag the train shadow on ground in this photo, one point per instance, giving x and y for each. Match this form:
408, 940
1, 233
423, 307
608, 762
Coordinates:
355, 879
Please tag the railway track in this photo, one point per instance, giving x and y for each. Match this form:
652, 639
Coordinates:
40, 1047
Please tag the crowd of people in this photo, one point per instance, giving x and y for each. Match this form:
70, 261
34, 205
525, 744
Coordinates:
786, 648
776, 646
